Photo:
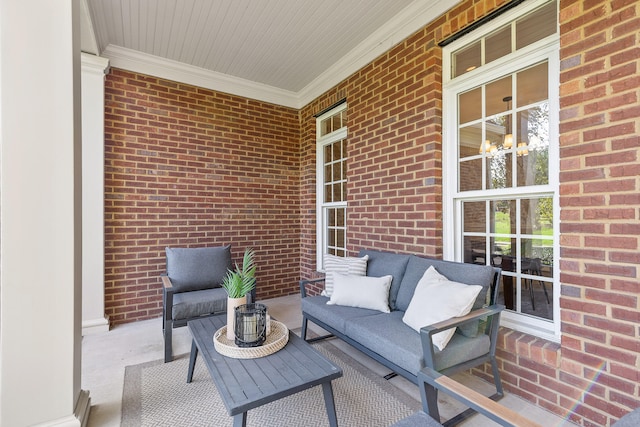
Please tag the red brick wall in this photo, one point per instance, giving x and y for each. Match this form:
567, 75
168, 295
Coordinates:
600, 202
186, 166
394, 154
395, 191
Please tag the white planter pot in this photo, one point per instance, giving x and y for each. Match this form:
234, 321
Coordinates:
232, 303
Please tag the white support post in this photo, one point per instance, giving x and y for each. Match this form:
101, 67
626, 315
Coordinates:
94, 69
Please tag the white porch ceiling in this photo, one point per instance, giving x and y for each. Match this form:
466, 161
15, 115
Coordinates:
282, 51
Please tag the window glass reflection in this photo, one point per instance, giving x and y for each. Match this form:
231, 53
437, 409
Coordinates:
532, 146
467, 59
474, 217
537, 25
470, 175
470, 104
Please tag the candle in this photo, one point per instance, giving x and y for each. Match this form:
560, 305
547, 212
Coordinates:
268, 324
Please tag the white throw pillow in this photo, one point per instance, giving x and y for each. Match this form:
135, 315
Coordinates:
349, 266
361, 291
436, 299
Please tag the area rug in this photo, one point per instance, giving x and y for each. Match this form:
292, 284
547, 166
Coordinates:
156, 394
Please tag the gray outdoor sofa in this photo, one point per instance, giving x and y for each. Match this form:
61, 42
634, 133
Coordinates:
387, 339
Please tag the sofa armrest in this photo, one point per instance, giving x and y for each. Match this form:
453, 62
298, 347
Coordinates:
480, 403
304, 283
457, 321
491, 313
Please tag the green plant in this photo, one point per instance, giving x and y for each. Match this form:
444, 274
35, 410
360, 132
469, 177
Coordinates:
241, 281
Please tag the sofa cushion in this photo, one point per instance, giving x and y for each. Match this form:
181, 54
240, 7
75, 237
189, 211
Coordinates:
192, 269
436, 299
387, 335
361, 291
384, 263
470, 274
334, 316
187, 305
351, 266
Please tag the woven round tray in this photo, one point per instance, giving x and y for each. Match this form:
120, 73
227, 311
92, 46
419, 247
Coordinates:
277, 339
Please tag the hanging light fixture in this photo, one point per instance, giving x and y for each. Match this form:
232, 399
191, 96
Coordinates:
523, 150
486, 146
507, 143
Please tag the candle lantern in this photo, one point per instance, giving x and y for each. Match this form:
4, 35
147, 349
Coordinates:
251, 325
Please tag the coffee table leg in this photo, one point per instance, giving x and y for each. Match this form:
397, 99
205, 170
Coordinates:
192, 360
240, 420
329, 403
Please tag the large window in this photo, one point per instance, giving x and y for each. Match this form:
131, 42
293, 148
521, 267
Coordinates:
331, 134
500, 154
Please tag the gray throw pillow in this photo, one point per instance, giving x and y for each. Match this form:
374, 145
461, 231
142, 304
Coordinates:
193, 269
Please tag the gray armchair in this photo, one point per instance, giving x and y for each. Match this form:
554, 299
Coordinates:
191, 287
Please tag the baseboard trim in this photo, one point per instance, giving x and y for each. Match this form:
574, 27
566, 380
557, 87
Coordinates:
95, 326
80, 417
83, 407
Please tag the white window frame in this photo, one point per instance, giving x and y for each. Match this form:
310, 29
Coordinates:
321, 206
545, 49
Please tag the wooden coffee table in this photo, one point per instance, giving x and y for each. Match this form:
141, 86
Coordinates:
245, 384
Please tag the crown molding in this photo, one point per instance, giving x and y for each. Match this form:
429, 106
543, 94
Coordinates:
411, 19
94, 63
132, 60
408, 21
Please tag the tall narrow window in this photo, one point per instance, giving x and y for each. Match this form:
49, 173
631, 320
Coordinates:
501, 152
331, 194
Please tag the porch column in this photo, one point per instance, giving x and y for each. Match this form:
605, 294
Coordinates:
93, 75
40, 215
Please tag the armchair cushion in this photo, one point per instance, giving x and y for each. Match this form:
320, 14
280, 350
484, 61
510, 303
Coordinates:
187, 305
193, 269
436, 299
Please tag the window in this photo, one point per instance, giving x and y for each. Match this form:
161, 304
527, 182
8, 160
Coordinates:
500, 159
331, 174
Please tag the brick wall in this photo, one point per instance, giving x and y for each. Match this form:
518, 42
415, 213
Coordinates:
186, 166
394, 154
600, 202
395, 191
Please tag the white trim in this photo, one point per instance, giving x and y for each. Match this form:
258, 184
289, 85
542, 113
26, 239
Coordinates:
533, 326
93, 70
133, 60
88, 41
93, 63
321, 141
554, 170
95, 326
80, 417
411, 19
496, 23
546, 49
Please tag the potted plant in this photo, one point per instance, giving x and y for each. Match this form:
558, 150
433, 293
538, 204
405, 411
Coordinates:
238, 283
